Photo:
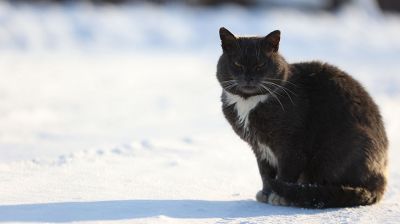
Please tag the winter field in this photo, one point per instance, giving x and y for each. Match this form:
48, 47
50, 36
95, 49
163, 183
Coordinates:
112, 114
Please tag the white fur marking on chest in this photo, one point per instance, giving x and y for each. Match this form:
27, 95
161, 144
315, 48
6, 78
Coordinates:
267, 154
244, 106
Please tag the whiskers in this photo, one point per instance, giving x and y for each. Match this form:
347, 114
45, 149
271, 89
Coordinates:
288, 92
266, 87
281, 80
229, 84
263, 86
284, 89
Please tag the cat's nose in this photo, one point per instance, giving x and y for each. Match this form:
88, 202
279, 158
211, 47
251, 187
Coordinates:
249, 81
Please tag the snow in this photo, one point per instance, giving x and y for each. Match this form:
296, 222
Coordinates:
112, 114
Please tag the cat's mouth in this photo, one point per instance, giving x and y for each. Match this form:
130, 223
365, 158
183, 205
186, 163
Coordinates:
242, 88
249, 89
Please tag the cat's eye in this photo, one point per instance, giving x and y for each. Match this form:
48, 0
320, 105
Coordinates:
237, 64
259, 66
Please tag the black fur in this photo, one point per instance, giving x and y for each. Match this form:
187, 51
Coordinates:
323, 128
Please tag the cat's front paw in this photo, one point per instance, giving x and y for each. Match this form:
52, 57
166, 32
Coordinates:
261, 196
271, 198
275, 199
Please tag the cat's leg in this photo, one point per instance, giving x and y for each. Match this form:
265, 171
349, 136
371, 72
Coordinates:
266, 172
290, 169
266, 195
291, 162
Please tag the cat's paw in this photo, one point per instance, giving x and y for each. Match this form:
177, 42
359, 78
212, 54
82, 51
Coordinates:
275, 199
262, 197
271, 198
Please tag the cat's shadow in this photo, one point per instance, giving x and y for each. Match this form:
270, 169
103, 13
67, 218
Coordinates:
135, 209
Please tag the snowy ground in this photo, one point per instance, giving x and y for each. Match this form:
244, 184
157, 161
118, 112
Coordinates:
113, 114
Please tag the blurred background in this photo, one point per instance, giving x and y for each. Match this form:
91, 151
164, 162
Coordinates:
76, 75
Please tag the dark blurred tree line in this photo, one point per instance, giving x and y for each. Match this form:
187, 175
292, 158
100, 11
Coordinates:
386, 5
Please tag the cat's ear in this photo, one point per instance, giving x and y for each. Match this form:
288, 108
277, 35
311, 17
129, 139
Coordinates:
228, 40
271, 41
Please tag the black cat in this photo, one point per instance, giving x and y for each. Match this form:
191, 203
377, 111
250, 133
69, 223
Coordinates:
317, 135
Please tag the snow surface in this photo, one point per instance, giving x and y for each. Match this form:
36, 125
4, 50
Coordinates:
112, 114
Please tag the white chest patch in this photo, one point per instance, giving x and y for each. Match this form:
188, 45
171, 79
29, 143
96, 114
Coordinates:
267, 154
244, 106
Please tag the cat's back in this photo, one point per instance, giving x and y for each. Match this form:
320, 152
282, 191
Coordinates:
338, 102
334, 91
319, 76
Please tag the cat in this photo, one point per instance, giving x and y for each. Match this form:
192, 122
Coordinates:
317, 135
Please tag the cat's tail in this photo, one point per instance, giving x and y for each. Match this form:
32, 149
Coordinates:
322, 196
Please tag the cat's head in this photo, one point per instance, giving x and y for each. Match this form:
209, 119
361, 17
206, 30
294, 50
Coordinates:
250, 65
